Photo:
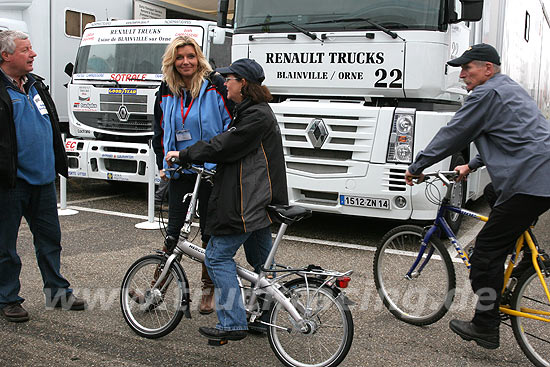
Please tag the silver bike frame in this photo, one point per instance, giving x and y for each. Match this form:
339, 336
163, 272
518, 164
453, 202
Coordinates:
198, 253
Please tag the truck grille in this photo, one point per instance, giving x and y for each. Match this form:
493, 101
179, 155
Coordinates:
110, 121
107, 119
394, 180
349, 140
112, 102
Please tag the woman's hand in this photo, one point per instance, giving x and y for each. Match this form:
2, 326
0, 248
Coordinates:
170, 155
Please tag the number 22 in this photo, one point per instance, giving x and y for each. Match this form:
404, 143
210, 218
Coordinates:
383, 73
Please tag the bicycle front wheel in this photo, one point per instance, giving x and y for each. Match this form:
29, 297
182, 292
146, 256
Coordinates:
329, 327
152, 313
424, 296
533, 336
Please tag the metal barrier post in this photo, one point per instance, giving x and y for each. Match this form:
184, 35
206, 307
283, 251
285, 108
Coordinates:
63, 193
151, 223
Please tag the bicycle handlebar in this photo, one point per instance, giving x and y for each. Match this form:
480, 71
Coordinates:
444, 176
188, 166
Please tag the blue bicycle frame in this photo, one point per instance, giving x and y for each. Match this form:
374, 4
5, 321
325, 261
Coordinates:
440, 226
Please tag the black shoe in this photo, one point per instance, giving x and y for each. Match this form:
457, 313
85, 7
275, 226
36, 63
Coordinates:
484, 337
217, 334
67, 302
14, 312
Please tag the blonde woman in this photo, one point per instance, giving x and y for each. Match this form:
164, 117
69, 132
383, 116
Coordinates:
190, 106
251, 175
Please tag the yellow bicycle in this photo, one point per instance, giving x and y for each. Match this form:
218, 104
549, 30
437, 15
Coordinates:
415, 277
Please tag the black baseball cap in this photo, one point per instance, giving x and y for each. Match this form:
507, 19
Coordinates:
480, 52
245, 68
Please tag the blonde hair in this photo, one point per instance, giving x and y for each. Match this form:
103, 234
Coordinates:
173, 77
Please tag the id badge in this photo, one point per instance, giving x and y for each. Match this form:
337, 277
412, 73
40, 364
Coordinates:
40, 105
183, 135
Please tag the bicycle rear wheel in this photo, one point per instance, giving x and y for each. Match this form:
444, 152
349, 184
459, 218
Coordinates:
425, 296
533, 336
330, 327
152, 313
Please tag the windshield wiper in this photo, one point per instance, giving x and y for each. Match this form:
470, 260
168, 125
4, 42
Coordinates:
374, 24
295, 26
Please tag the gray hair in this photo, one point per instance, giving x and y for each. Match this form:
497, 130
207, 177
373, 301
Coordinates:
7, 41
496, 68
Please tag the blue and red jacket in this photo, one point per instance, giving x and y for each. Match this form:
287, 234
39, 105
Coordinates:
196, 119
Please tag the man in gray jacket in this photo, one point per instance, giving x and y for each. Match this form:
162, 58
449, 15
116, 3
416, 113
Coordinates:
513, 140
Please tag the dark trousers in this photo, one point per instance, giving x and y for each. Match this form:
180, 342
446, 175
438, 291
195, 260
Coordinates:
507, 221
178, 210
38, 204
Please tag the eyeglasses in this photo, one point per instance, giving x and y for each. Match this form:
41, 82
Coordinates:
228, 79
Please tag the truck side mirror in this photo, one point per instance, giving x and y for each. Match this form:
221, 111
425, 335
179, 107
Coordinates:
69, 69
471, 10
218, 35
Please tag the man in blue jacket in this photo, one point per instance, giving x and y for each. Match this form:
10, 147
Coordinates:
513, 140
31, 153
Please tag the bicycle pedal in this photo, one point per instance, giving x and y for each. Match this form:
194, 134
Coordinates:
217, 342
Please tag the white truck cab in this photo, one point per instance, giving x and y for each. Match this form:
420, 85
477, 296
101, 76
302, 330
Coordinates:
112, 92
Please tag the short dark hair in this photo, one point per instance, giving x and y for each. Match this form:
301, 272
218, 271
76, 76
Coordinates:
256, 92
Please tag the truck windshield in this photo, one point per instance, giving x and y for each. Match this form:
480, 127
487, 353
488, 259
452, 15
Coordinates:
120, 58
254, 16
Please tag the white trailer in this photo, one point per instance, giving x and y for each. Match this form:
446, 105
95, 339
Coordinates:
361, 87
55, 28
112, 93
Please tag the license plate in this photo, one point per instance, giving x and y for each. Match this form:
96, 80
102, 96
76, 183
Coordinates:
364, 202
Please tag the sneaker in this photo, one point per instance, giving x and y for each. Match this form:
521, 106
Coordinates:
67, 302
14, 312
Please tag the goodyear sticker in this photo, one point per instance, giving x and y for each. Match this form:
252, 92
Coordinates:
124, 91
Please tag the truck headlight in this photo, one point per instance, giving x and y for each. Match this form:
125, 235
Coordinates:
400, 145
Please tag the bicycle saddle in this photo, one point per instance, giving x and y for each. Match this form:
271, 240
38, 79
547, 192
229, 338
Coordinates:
289, 214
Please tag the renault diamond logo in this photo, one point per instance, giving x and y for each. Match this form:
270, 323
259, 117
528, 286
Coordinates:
122, 113
317, 133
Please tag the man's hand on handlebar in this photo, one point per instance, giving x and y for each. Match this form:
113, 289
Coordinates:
409, 177
172, 157
162, 174
463, 172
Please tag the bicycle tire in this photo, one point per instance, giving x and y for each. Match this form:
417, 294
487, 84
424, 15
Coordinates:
533, 336
426, 297
148, 315
331, 335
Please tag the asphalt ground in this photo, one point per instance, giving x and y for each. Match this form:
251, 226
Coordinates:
99, 244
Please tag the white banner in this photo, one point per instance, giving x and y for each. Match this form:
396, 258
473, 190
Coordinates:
140, 34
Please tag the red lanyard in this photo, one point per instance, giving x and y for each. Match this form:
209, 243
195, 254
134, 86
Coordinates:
188, 109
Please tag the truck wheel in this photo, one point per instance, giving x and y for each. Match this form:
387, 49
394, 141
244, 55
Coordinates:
458, 197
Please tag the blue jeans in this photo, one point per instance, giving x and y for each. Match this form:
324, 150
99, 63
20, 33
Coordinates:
38, 204
223, 271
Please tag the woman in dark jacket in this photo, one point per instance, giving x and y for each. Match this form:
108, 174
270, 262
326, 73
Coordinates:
190, 106
250, 175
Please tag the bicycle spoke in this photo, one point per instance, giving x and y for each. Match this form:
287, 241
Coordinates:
329, 333
151, 312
